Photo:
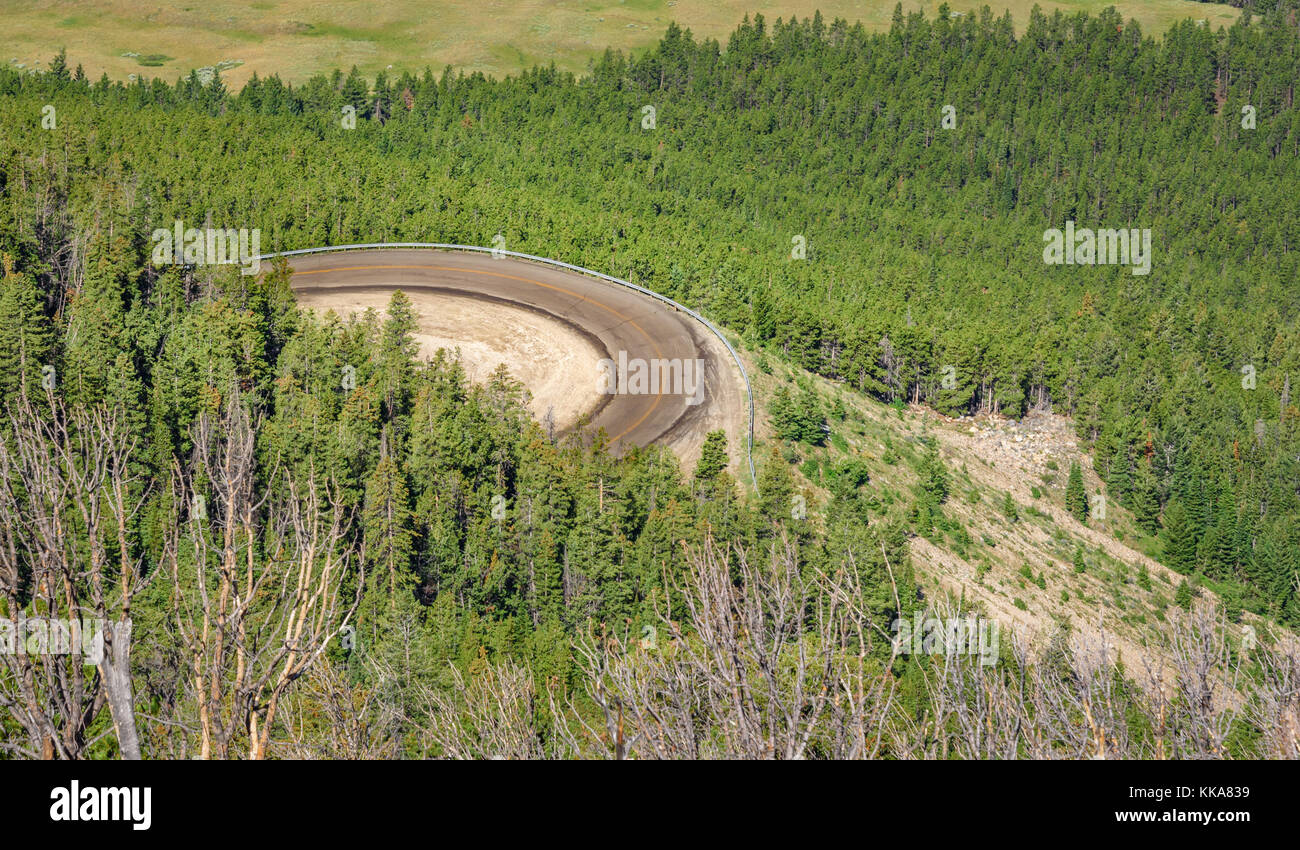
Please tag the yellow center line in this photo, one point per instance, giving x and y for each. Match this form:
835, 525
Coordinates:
658, 396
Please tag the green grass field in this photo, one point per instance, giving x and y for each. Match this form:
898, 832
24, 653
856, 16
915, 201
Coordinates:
297, 38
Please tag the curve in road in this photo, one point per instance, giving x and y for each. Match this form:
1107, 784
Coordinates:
619, 325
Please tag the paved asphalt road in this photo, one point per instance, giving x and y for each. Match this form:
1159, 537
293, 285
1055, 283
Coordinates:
615, 319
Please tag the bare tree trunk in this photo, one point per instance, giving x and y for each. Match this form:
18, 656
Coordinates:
115, 671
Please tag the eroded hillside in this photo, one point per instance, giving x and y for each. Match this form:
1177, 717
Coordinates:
1003, 540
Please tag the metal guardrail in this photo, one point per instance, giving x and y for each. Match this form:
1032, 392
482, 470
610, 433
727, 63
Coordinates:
441, 246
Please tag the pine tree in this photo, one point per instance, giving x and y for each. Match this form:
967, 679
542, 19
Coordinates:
548, 580
1119, 478
1145, 504
776, 489
1009, 508
798, 418
933, 473
276, 301
59, 66
1180, 547
386, 523
95, 324
922, 513
26, 341
713, 456
1220, 543
1076, 497
764, 320
397, 350
1230, 596
355, 91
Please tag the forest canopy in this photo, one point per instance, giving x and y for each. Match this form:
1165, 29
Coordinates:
921, 279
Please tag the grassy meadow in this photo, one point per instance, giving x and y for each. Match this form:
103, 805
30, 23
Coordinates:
298, 38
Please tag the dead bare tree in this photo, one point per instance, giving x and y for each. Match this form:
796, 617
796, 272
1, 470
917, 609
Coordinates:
256, 580
1073, 699
330, 717
774, 664
491, 715
971, 709
68, 496
1199, 697
1275, 704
